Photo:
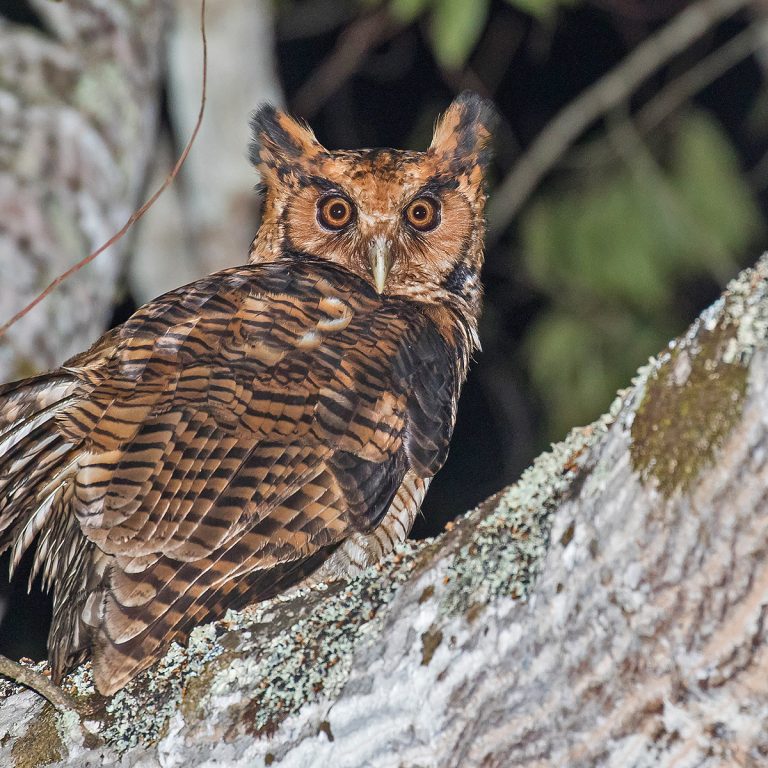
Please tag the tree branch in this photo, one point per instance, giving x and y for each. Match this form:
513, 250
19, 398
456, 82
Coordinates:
38, 682
683, 88
137, 214
352, 47
608, 609
76, 136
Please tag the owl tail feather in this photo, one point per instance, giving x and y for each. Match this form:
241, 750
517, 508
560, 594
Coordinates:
36, 460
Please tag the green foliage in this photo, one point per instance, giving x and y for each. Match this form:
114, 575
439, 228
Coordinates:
456, 25
612, 254
407, 11
706, 175
543, 9
455, 28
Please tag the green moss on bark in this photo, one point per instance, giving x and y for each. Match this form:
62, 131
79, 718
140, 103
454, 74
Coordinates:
691, 403
41, 744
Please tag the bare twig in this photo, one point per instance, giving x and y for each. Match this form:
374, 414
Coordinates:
680, 90
38, 682
297, 22
604, 95
343, 61
136, 215
698, 77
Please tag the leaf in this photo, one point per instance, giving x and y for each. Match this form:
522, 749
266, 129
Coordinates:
578, 362
543, 9
717, 204
405, 11
456, 26
598, 244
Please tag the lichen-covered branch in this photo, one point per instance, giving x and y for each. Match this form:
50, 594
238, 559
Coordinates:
78, 108
609, 609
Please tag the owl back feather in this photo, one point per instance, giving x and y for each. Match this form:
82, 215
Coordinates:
36, 459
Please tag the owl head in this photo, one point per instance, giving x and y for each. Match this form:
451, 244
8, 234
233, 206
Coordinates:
410, 223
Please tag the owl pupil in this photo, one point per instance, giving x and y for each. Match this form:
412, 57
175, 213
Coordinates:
338, 211
419, 212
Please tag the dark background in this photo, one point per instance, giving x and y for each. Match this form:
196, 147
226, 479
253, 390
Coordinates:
636, 228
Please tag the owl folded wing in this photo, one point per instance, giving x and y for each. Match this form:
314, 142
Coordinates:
237, 430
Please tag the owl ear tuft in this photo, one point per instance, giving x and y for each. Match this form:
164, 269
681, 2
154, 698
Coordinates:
278, 139
463, 133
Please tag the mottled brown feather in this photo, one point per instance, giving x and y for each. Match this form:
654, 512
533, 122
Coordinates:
267, 424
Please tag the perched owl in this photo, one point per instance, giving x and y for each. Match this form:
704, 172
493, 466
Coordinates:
267, 424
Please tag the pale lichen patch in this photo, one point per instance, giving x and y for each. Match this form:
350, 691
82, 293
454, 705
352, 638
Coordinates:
502, 553
746, 306
284, 668
140, 712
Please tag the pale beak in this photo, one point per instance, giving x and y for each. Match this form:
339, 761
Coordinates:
381, 261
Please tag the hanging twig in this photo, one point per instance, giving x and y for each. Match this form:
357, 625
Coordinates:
38, 682
136, 215
603, 96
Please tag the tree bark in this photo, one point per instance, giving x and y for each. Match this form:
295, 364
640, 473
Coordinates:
78, 109
607, 610
207, 219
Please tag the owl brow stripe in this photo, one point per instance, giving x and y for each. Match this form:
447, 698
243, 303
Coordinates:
437, 185
287, 170
325, 184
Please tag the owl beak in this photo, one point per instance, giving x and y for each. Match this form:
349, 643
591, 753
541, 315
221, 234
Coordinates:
381, 261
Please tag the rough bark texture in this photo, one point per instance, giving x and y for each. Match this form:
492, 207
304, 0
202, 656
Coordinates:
78, 107
608, 610
207, 220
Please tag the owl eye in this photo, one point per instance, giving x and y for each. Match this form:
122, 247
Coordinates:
334, 212
423, 214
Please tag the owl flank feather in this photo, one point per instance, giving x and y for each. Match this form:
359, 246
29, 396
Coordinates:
269, 424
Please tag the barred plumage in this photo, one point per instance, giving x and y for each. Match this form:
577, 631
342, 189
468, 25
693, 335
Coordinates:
266, 424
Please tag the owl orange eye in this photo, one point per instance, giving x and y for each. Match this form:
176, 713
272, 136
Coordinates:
423, 214
334, 212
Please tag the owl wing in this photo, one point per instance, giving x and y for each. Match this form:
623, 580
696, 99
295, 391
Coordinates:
237, 431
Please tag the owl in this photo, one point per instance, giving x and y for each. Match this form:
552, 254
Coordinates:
267, 425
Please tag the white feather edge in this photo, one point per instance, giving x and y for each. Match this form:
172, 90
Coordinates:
19, 430
38, 519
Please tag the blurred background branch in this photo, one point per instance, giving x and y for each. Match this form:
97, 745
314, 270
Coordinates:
352, 48
606, 94
79, 101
